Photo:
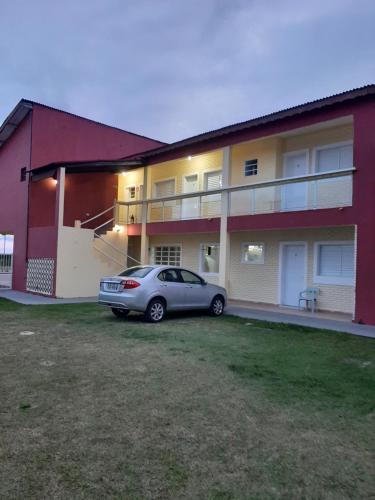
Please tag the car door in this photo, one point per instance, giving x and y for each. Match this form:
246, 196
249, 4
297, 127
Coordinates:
172, 288
196, 293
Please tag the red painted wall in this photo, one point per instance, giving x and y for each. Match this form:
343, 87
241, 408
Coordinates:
42, 211
59, 137
364, 203
42, 242
184, 226
86, 195
329, 217
14, 155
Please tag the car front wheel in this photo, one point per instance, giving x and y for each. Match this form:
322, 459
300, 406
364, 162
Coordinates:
120, 313
155, 311
217, 306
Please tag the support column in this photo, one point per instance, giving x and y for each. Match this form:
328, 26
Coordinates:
224, 236
60, 197
364, 204
59, 218
144, 237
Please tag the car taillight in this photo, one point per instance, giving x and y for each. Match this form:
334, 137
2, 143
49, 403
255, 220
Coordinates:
130, 284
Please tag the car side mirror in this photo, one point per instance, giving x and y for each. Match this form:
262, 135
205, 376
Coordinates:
204, 283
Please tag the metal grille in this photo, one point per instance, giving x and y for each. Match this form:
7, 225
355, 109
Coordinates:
166, 256
40, 276
6, 262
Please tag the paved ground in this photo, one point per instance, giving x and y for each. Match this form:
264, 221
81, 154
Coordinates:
297, 319
242, 311
29, 299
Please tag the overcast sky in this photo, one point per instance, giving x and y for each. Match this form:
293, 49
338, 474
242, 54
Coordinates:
170, 69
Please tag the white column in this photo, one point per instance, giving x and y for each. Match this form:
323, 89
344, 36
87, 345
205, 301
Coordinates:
224, 235
144, 237
61, 196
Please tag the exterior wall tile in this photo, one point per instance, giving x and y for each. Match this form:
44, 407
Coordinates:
190, 249
260, 282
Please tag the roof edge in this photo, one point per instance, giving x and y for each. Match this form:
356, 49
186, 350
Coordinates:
309, 106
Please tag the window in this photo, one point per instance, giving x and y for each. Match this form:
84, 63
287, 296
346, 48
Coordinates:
170, 275
191, 278
251, 167
136, 272
252, 253
131, 190
166, 255
213, 180
334, 263
334, 157
164, 188
210, 254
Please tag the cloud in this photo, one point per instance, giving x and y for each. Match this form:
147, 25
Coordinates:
172, 69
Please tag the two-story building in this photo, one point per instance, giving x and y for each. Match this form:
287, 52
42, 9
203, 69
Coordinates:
266, 208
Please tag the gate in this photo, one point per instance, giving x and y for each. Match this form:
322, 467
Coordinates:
6, 260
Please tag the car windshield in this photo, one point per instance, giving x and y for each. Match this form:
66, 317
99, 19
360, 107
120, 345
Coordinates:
136, 272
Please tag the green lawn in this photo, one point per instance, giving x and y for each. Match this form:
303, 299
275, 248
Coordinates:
194, 407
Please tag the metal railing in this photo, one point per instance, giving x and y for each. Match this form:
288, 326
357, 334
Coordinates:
110, 209
6, 262
309, 192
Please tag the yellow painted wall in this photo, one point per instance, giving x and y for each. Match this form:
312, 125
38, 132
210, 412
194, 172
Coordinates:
177, 169
260, 282
80, 265
190, 249
131, 178
318, 138
266, 151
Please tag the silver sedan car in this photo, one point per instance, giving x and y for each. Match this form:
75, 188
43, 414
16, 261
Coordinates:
154, 290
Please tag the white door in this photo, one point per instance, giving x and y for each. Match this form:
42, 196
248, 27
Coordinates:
294, 196
190, 206
293, 273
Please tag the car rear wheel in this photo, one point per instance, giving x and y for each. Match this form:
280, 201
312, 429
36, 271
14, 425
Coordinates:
155, 311
120, 313
217, 306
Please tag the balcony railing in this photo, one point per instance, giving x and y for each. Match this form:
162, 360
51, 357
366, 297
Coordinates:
293, 194
310, 192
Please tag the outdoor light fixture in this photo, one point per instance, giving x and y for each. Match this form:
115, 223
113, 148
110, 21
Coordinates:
124, 173
189, 157
117, 228
54, 178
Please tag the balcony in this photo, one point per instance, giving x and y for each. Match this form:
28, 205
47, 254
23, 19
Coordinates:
310, 192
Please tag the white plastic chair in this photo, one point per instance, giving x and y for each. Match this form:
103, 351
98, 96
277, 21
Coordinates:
310, 297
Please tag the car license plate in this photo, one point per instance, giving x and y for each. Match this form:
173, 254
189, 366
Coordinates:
111, 287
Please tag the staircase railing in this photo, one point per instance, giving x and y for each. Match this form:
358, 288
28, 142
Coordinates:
115, 248
99, 215
112, 209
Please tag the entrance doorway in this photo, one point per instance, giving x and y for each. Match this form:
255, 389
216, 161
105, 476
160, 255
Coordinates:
6, 259
134, 251
293, 272
294, 195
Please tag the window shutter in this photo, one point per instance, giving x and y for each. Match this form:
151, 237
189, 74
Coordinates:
336, 260
213, 180
347, 263
164, 188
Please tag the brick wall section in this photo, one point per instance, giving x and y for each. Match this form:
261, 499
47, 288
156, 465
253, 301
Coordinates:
260, 283
190, 249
